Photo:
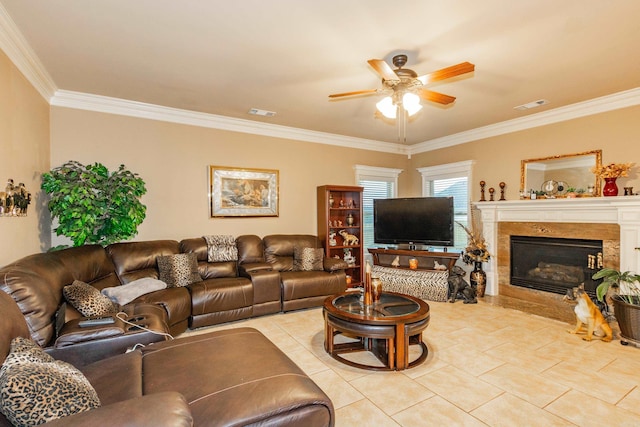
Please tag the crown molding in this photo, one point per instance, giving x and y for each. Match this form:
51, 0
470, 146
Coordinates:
23, 57
603, 104
103, 104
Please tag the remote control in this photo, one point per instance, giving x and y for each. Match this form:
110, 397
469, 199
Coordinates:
96, 322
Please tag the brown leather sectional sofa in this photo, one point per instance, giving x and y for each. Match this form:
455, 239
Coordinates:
260, 282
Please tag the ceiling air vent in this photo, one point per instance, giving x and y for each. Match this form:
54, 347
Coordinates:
259, 112
532, 104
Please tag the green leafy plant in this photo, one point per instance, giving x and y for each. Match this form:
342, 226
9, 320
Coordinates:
93, 205
624, 284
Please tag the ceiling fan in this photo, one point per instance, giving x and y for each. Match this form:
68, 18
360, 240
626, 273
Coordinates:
402, 81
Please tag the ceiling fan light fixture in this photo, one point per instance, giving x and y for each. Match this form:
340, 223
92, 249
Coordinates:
411, 103
387, 107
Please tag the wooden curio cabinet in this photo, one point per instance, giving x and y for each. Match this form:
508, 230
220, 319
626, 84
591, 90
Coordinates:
340, 227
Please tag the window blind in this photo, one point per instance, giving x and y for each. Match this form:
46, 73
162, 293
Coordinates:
372, 190
458, 189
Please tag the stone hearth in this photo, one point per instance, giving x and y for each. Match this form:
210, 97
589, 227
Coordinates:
614, 220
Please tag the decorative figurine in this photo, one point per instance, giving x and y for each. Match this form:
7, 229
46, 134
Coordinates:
482, 184
332, 239
350, 219
348, 239
491, 191
396, 261
502, 185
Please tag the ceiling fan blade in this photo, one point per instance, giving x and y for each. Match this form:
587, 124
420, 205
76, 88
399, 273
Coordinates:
432, 96
383, 69
447, 73
357, 92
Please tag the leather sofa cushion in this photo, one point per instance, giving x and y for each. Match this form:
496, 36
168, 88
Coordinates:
217, 295
279, 248
116, 378
208, 270
135, 260
176, 302
221, 393
250, 249
95, 267
305, 284
35, 283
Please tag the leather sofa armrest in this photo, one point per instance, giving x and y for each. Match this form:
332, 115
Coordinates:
159, 409
334, 264
248, 268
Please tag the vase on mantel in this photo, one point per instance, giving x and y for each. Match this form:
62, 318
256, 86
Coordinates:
478, 279
610, 188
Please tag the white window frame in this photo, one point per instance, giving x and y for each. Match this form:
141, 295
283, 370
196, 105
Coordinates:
446, 171
376, 173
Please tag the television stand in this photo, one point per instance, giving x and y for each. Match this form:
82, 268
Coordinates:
426, 259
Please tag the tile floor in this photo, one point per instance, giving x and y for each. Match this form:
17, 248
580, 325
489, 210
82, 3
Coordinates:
487, 366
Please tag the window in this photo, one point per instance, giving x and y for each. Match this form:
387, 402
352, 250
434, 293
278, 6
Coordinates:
378, 183
452, 179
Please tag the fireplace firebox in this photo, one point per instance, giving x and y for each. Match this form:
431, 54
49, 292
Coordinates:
555, 264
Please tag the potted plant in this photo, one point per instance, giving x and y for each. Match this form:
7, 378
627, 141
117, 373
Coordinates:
624, 290
93, 205
571, 192
476, 252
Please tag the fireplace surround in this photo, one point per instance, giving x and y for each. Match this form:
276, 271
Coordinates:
614, 220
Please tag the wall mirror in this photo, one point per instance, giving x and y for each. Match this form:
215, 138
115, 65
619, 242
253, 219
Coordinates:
554, 175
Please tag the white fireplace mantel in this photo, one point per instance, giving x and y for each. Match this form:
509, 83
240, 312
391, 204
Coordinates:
621, 210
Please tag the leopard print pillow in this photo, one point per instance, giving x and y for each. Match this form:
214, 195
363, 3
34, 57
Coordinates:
33, 392
307, 259
179, 269
25, 350
88, 300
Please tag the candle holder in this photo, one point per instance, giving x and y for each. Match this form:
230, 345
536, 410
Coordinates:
482, 184
502, 185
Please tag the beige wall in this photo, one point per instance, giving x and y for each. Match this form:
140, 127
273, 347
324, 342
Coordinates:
173, 160
617, 133
24, 155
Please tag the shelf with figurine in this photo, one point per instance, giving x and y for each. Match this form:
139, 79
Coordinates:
340, 225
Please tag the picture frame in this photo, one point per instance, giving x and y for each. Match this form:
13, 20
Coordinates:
243, 192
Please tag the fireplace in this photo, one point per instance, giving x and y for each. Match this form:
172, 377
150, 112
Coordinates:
554, 264
614, 220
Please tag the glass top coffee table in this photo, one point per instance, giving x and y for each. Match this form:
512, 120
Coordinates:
386, 328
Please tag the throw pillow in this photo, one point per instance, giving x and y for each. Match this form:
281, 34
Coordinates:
307, 259
88, 300
221, 248
126, 293
25, 350
34, 392
179, 269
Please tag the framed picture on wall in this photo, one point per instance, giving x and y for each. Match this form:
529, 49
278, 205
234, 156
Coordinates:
235, 192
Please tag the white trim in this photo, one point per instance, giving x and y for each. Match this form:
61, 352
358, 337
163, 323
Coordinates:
449, 170
603, 104
104, 104
13, 43
363, 172
23, 57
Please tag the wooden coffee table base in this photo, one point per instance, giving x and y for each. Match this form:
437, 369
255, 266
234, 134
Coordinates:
389, 343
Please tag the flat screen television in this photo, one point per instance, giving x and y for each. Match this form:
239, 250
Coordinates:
418, 220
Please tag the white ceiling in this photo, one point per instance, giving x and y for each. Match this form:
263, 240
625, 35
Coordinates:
287, 56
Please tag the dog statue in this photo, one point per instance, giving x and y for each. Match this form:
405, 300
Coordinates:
587, 313
348, 239
459, 286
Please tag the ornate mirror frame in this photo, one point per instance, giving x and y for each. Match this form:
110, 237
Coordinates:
566, 165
